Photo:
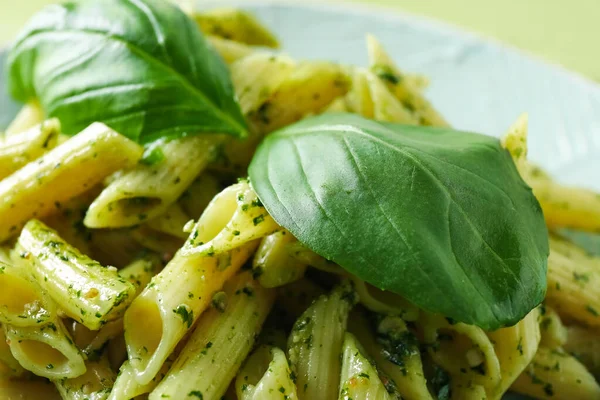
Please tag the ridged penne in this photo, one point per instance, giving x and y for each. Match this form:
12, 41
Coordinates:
22, 303
573, 287
584, 344
171, 222
168, 307
21, 148
395, 350
554, 374
273, 264
9, 366
146, 191
315, 344
309, 89
219, 344
359, 378
458, 347
515, 348
554, 333
409, 95
265, 375
61, 174
85, 290
47, 351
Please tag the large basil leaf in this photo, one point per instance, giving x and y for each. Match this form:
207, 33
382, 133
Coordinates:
140, 66
439, 216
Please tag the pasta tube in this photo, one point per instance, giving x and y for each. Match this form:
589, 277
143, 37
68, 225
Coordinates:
171, 222
273, 264
147, 191
199, 194
257, 76
554, 333
18, 149
409, 95
266, 375
359, 378
9, 366
47, 351
168, 307
554, 374
315, 344
250, 221
458, 347
384, 302
584, 345
219, 344
95, 384
563, 206
22, 303
386, 107
515, 348
573, 287
309, 89
85, 290
61, 174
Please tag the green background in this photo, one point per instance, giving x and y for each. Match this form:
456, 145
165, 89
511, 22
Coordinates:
565, 32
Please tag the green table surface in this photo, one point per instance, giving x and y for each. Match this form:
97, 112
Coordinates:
564, 32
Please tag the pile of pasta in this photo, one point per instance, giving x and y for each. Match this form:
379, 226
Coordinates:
124, 277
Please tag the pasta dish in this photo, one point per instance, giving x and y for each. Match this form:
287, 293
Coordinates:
186, 212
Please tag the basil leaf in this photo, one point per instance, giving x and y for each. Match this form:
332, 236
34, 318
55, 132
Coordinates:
140, 66
438, 216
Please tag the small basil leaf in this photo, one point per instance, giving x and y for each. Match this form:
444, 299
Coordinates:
140, 66
439, 216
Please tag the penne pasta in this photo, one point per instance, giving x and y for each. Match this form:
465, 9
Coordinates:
573, 288
85, 290
515, 348
146, 191
315, 344
554, 374
22, 303
9, 366
462, 350
162, 314
219, 344
395, 351
265, 375
65, 172
47, 351
19, 149
584, 345
171, 222
273, 265
409, 95
359, 378
199, 194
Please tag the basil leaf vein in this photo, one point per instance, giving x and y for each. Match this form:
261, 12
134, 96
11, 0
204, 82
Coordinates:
141, 66
439, 216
